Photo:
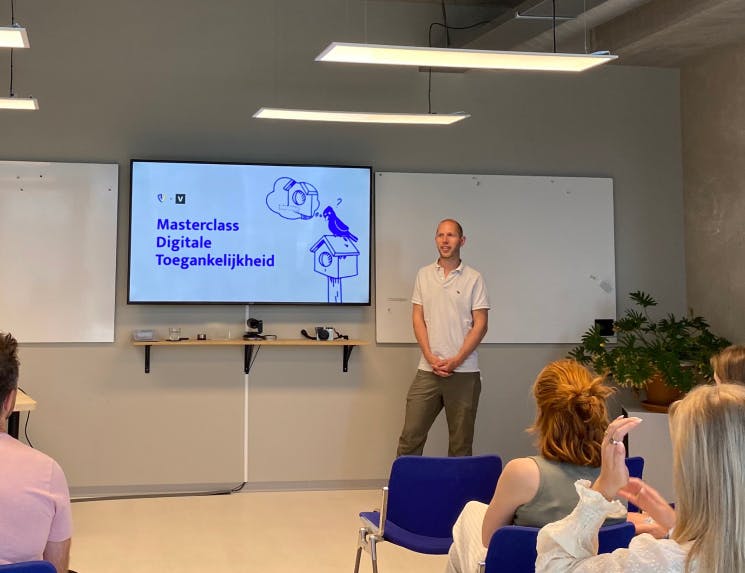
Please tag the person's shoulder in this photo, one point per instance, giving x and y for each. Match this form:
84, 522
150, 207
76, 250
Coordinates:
427, 270
521, 468
468, 271
521, 477
19, 450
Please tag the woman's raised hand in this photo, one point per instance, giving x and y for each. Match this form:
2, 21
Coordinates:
614, 474
649, 501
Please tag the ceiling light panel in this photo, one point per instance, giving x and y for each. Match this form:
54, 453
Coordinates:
24, 103
457, 58
360, 117
13, 37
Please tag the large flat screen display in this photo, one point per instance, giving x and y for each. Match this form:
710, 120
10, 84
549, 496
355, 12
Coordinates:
249, 233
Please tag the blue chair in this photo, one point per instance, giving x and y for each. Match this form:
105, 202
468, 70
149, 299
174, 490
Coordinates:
512, 548
29, 567
423, 499
636, 469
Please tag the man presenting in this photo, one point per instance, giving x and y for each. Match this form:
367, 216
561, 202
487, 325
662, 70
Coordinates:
450, 306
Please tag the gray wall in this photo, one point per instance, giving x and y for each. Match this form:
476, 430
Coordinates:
180, 80
713, 112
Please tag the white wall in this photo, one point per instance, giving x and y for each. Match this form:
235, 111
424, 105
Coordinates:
180, 80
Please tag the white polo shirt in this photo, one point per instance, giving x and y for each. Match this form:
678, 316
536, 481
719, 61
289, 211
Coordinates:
448, 303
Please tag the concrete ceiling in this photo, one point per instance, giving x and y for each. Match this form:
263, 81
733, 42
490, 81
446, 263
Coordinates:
668, 32
641, 32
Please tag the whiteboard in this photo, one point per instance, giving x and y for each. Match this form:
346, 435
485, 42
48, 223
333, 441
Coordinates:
543, 244
58, 259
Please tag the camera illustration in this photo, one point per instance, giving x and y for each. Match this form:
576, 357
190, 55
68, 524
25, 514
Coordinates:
292, 199
325, 333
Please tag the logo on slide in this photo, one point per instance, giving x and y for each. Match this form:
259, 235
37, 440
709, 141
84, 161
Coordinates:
162, 197
180, 199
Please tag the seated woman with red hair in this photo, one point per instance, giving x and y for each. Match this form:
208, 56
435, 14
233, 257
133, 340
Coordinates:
571, 420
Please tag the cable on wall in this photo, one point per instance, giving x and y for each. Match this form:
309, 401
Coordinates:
553, 21
12, 23
25, 429
25, 426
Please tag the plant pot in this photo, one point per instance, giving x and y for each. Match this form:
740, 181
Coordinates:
660, 395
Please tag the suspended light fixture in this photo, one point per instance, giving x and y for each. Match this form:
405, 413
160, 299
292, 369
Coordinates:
13, 102
23, 103
13, 37
459, 58
360, 117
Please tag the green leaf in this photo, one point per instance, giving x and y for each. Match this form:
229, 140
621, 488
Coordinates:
642, 299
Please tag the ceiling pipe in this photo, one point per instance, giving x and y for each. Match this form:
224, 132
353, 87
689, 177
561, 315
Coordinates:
565, 31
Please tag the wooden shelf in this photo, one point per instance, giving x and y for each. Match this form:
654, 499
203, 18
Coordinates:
24, 403
347, 346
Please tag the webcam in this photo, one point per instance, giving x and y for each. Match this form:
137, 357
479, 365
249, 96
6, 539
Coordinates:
324, 333
321, 333
257, 326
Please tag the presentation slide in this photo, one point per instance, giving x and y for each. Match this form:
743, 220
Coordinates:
238, 233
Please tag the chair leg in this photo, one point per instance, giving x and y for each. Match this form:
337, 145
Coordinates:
357, 560
374, 553
361, 544
367, 541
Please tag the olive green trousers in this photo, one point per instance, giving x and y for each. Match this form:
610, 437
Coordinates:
428, 395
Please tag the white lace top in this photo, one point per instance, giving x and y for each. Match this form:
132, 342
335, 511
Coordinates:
570, 545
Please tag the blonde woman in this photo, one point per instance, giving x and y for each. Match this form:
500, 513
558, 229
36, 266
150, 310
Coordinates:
570, 422
729, 365
707, 428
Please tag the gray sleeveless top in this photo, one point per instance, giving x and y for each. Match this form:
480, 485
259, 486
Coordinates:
556, 496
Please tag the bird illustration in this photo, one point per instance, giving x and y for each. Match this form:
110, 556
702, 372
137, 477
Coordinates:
337, 227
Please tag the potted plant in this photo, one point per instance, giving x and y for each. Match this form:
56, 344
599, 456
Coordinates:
671, 351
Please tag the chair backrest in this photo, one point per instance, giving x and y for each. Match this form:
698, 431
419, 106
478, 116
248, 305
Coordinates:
426, 495
29, 567
636, 466
636, 469
512, 548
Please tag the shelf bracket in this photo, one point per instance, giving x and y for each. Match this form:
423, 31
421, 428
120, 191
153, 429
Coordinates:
248, 351
347, 350
147, 359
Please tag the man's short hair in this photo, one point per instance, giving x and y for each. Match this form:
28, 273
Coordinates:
8, 365
456, 223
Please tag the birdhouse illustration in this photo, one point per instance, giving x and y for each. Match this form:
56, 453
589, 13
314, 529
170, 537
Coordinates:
336, 258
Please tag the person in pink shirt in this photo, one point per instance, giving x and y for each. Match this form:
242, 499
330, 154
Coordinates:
35, 516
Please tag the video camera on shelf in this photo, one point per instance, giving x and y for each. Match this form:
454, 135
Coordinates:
258, 328
323, 333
